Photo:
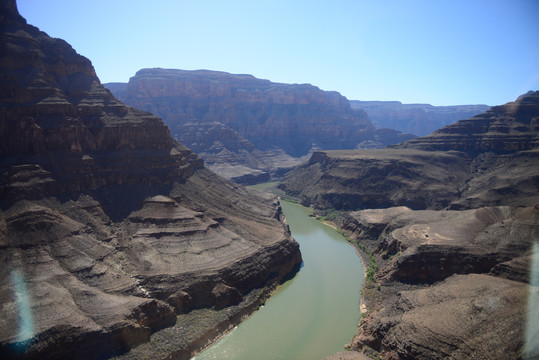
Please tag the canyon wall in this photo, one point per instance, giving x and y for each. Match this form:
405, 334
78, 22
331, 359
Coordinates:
417, 119
448, 224
250, 123
109, 228
490, 159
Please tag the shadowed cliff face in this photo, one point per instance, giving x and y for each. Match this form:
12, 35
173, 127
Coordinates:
249, 118
55, 114
109, 228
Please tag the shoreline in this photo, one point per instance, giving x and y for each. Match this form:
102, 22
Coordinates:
198, 329
361, 254
248, 310
223, 329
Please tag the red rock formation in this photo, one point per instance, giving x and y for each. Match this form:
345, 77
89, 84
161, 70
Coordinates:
54, 112
293, 117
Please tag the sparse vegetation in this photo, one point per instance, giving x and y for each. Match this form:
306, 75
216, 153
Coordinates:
372, 269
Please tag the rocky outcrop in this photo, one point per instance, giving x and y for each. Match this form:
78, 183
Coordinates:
351, 180
449, 223
440, 289
109, 228
502, 129
417, 119
212, 111
469, 164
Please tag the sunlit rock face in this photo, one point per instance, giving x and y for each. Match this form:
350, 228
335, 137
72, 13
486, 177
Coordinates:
250, 123
446, 276
110, 228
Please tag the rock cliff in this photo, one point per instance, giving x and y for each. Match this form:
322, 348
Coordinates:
490, 159
502, 129
448, 223
212, 112
110, 228
450, 283
417, 119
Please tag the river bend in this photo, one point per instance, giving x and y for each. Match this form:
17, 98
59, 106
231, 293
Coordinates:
311, 316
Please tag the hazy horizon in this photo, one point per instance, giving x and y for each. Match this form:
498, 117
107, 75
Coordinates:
414, 51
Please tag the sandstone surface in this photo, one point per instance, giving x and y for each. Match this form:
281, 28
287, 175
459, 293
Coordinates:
250, 119
109, 228
417, 119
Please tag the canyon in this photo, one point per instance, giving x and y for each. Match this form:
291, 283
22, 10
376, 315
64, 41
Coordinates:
122, 236
111, 231
249, 129
448, 223
417, 119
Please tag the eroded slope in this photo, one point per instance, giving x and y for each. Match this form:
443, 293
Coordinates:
449, 226
109, 228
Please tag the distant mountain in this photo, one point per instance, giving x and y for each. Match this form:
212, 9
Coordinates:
244, 127
417, 119
508, 128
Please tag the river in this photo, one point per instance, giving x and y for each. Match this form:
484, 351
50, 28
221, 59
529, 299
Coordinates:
310, 316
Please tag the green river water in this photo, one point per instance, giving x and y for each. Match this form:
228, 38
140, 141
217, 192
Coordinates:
311, 316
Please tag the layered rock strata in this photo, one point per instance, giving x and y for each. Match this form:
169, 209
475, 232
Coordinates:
502, 129
491, 159
450, 284
350, 180
109, 228
417, 119
449, 224
244, 121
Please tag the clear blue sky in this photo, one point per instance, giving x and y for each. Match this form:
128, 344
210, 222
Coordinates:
439, 52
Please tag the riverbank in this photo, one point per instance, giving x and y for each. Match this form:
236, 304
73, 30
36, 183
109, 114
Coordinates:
366, 296
369, 295
198, 329
425, 301
364, 258
310, 316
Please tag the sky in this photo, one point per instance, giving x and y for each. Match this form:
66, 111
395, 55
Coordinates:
449, 52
